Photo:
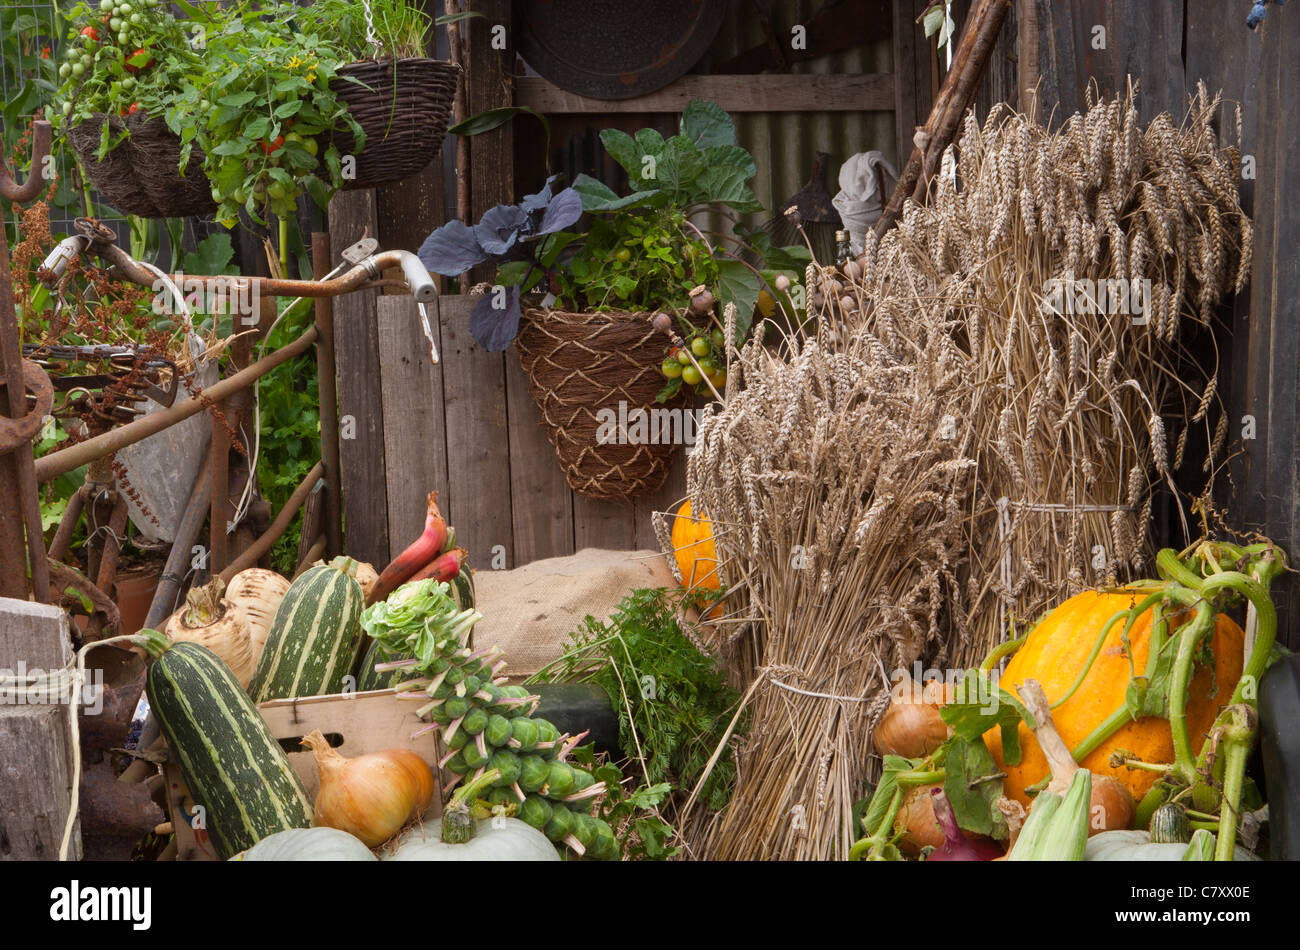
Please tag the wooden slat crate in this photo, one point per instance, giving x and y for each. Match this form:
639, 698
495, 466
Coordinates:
355, 723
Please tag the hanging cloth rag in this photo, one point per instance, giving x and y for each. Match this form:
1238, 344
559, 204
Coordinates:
862, 193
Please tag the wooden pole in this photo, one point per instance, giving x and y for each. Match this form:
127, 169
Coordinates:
456, 46
955, 96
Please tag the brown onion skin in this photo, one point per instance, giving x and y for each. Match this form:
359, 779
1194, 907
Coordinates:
1111, 807
909, 728
371, 796
916, 815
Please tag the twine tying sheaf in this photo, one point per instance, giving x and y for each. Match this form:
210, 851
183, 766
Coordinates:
1004, 506
40, 686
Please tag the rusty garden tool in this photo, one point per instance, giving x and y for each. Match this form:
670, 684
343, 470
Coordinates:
21, 542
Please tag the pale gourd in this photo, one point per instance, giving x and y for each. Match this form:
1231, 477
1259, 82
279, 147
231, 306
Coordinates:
1137, 846
497, 839
308, 844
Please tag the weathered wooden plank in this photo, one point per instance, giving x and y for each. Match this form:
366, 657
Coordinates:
35, 747
361, 410
907, 90
767, 92
603, 524
667, 498
415, 437
490, 85
478, 444
541, 503
1274, 344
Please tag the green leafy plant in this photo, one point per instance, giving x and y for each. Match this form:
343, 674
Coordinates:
642, 831
672, 703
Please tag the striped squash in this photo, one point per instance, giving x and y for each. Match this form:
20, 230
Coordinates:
462, 591
232, 764
315, 637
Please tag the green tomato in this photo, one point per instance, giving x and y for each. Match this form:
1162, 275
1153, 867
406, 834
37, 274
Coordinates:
124, 38
691, 375
624, 255
78, 70
700, 346
106, 5
115, 24
65, 70
672, 369
67, 108
708, 368
136, 19
718, 339
277, 191
682, 357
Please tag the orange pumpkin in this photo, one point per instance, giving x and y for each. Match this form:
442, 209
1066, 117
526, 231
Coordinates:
1054, 654
697, 558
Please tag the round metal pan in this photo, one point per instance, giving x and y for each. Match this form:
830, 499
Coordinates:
615, 49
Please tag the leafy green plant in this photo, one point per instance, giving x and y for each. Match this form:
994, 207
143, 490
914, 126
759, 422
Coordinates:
401, 29
642, 831
673, 704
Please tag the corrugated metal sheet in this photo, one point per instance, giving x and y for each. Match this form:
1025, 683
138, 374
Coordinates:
784, 144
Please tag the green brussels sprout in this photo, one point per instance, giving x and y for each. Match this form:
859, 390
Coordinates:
457, 764
508, 764
476, 721
560, 825
498, 731
456, 706
536, 811
524, 731
559, 779
474, 758
533, 771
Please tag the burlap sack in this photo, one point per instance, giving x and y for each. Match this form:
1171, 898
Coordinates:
529, 612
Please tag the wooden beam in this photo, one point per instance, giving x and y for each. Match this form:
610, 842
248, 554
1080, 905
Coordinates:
869, 92
34, 738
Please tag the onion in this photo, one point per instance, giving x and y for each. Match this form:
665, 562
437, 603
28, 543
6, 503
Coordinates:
917, 823
909, 727
956, 846
371, 796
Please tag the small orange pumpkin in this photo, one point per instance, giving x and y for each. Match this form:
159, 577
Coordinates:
1054, 654
697, 557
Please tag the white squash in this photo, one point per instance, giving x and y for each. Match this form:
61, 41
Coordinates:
256, 593
1137, 846
497, 839
308, 844
210, 620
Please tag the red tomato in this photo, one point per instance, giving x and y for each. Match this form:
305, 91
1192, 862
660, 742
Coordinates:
91, 32
270, 148
135, 69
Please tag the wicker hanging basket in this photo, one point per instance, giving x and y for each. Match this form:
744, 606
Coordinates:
580, 363
404, 112
141, 175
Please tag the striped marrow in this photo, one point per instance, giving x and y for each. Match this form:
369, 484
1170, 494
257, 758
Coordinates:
233, 765
315, 636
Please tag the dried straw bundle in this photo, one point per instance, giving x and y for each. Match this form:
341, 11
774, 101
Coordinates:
836, 491
1074, 413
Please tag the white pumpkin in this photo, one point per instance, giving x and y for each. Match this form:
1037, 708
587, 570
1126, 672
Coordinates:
308, 844
497, 839
1137, 846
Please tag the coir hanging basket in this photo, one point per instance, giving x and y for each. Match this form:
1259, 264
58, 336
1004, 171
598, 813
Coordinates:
403, 108
141, 174
581, 363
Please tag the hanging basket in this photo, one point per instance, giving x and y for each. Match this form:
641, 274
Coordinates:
581, 363
141, 175
404, 112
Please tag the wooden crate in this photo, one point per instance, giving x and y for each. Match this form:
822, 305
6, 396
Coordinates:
355, 723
